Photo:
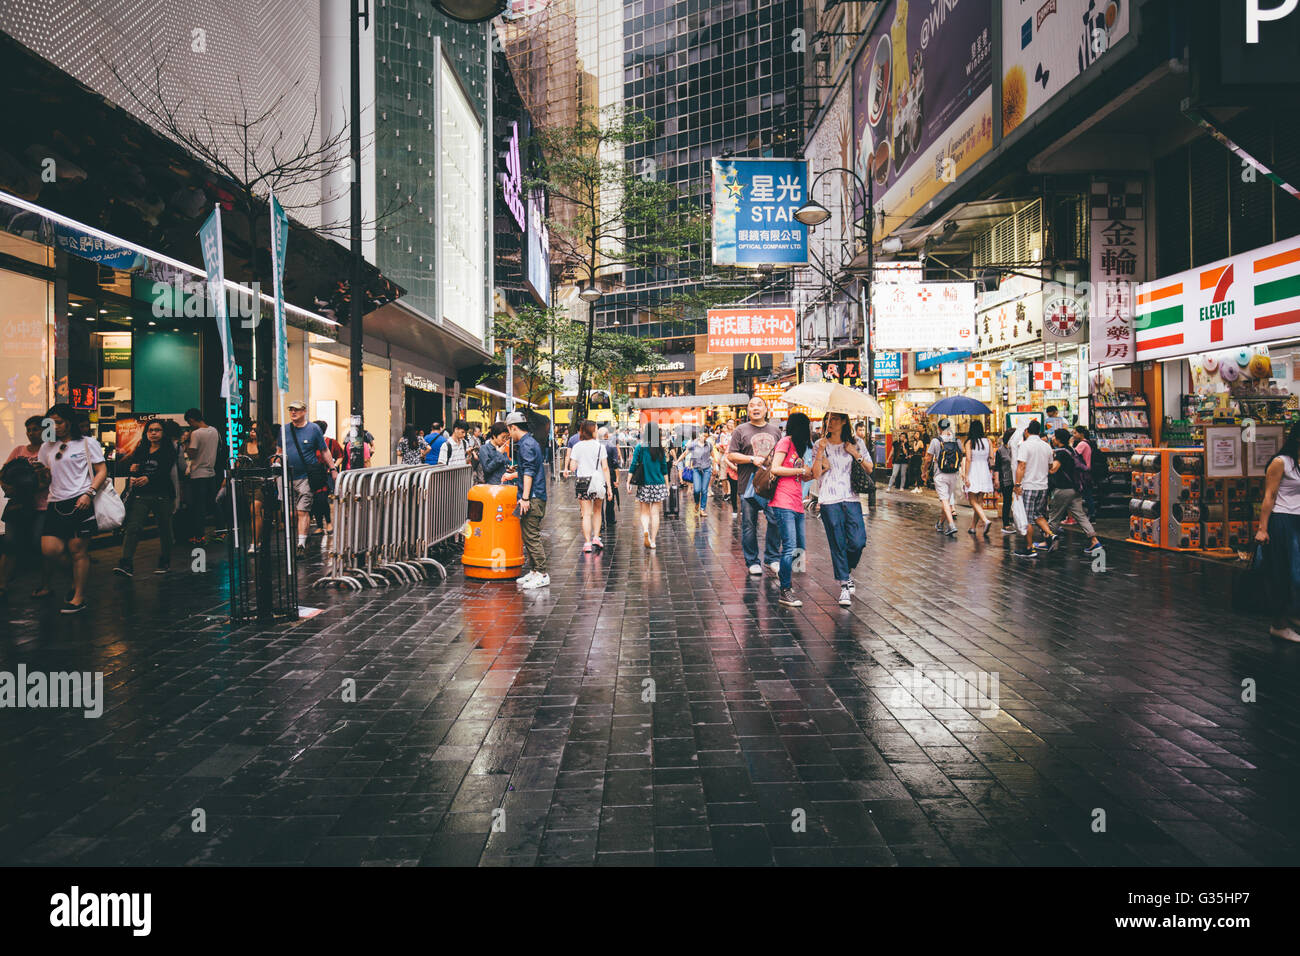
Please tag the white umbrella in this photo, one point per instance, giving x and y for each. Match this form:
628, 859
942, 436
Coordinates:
832, 397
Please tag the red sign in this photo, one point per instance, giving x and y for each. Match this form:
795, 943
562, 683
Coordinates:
85, 397
751, 330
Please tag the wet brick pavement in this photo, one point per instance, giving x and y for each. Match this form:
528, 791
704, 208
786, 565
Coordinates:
1119, 692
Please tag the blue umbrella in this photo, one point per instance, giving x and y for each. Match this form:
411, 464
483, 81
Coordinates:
959, 405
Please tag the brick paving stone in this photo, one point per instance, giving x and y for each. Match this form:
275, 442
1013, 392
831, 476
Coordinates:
500, 728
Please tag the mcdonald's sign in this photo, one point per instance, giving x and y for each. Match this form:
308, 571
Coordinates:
753, 362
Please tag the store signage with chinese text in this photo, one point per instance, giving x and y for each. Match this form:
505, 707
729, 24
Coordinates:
929, 315
751, 330
1247, 299
512, 178
754, 202
888, 366
1010, 315
1118, 253
841, 373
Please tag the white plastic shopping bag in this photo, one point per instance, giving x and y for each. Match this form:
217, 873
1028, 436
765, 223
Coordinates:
1018, 514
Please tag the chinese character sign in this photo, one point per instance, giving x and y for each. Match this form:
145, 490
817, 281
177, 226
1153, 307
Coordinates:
839, 373
1118, 264
754, 202
888, 366
751, 330
925, 315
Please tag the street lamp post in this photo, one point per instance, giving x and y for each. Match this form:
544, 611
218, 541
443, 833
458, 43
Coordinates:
813, 214
356, 286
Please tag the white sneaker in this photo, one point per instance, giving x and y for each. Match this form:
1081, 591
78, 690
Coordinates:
523, 582
853, 588
775, 567
846, 598
755, 569
1284, 633
538, 581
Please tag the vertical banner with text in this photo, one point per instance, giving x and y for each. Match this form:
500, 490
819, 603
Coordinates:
279, 240
1118, 251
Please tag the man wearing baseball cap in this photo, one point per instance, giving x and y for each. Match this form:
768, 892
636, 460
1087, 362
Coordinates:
946, 454
532, 498
300, 442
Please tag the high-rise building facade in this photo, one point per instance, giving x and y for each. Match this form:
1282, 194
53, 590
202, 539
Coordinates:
714, 77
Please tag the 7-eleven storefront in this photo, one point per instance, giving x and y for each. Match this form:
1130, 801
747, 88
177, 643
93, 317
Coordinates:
1217, 347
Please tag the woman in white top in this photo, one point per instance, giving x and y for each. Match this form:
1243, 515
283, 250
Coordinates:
78, 473
1279, 529
977, 474
841, 508
590, 463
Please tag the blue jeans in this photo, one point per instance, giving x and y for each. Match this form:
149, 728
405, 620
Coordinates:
846, 535
750, 509
701, 482
791, 524
1283, 557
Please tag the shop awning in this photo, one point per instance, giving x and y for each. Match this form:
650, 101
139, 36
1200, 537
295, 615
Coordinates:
691, 401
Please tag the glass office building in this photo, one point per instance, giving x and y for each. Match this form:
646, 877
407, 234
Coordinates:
714, 76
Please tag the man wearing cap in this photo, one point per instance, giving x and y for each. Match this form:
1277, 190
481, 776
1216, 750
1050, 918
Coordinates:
300, 441
946, 453
532, 498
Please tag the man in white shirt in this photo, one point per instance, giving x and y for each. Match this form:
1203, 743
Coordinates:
455, 450
200, 472
945, 452
1033, 464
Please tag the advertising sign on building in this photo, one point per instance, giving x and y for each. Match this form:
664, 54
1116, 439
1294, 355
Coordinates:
841, 373
1118, 236
923, 100
888, 365
511, 178
1247, 299
1048, 43
1048, 376
537, 248
754, 202
925, 315
1010, 315
952, 375
929, 360
751, 330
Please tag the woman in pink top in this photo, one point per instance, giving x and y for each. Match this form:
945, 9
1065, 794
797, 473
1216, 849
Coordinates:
787, 501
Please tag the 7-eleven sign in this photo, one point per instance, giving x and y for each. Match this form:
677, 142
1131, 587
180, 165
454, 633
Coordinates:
1247, 299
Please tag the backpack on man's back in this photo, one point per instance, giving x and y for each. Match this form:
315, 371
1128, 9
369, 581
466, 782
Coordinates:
949, 457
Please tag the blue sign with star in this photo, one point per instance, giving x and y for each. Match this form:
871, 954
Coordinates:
754, 202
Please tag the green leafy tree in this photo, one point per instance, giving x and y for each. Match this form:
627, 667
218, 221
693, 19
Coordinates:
607, 212
530, 332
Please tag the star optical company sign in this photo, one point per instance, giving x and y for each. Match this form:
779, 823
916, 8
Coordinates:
754, 202
751, 330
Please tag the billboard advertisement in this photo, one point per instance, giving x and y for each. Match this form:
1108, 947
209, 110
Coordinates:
1047, 43
888, 365
922, 101
751, 330
754, 202
840, 373
537, 248
925, 315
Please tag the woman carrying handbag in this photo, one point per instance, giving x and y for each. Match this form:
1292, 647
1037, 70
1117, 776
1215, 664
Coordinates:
78, 477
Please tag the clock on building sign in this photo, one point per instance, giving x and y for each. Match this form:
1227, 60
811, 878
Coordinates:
1062, 317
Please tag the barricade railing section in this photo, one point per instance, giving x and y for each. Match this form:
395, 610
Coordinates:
262, 586
386, 520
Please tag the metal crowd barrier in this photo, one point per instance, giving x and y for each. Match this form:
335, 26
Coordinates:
387, 519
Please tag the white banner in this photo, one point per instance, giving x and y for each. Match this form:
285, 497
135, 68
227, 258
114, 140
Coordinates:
925, 315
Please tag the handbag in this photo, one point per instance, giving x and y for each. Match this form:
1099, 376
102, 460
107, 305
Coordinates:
688, 475
110, 512
581, 485
638, 468
317, 476
860, 480
764, 480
